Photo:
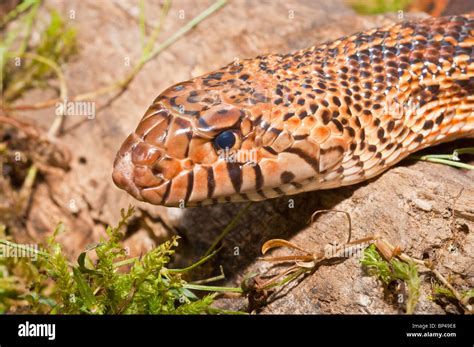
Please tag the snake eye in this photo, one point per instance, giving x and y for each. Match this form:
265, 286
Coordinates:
225, 139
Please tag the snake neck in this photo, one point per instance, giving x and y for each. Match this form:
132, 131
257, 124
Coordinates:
365, 102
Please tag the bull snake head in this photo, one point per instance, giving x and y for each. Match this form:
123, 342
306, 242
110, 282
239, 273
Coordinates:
212, 139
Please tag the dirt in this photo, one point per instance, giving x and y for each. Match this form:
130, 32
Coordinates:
416, 205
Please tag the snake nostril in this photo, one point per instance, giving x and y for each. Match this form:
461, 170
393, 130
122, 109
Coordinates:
155, 170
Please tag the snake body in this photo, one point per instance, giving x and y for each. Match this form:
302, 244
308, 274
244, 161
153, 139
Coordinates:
324, 117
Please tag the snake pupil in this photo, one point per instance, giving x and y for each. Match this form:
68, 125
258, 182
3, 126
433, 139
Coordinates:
225, 140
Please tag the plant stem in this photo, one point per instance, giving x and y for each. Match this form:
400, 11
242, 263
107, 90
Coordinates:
121, 84
186, 28
30, 19
227, 229
125, 262
213, 288
406, 258
141, 22
18, 10
25, 192
467, 150
57, 123
448, 159
448, 162
196, 264
154, 35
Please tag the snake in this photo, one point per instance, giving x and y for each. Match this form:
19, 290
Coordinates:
332, 115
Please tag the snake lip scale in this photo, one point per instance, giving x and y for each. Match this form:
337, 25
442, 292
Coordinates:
319, 118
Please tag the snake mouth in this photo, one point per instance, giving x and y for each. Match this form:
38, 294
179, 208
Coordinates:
123, 169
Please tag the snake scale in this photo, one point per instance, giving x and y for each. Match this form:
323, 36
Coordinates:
323, 117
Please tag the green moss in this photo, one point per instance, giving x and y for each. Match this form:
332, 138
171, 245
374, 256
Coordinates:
111, 284
393, 270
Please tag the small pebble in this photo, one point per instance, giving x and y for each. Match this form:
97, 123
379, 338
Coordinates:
364, 300
423, 205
